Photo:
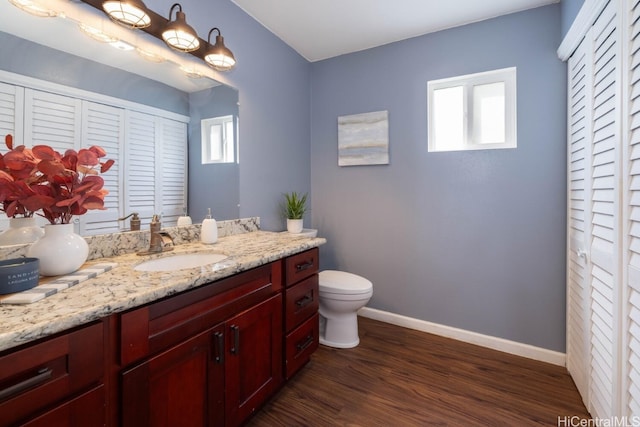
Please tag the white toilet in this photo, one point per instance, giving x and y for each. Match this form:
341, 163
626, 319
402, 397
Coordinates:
341, 295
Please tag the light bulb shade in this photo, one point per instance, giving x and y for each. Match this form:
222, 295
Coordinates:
150, 56
97, 34
219, 56
179, 35
131, 13
33, 8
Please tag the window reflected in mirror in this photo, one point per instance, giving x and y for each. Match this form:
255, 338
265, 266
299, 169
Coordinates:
218, 140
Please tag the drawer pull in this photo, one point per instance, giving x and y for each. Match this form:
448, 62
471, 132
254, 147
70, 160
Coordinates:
42, 376
306, 343
305, 300
304, 265
236, 340
219, 347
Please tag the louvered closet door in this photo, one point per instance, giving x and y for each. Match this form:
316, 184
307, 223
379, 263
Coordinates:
103, 125
605, 207
53, 120
141, 180
632, 309
11, 119
579, 227
11, 113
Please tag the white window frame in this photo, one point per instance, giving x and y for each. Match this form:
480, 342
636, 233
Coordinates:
467, 82
227, 142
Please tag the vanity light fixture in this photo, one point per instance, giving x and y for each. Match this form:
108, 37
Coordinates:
219, 56
130, 13
178, 34
33, 8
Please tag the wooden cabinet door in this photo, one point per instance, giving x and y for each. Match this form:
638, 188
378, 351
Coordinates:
183, 386
254, 358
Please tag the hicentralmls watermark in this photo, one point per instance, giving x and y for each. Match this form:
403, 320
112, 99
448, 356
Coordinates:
577, 421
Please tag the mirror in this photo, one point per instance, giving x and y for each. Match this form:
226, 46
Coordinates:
78, 61
213, 185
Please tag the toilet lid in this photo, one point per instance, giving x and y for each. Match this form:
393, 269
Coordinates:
341, 282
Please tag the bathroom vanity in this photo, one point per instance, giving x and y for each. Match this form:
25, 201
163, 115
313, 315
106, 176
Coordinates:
199, 346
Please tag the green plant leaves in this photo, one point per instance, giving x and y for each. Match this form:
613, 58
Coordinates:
295, 205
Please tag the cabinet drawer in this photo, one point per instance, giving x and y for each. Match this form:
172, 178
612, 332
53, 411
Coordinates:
83, 411
47, 373
300, 344
301, 301
161, 325
301, 266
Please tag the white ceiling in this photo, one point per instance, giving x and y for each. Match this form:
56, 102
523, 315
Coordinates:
321, 29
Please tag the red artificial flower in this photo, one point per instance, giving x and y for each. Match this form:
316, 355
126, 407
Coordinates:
57, 187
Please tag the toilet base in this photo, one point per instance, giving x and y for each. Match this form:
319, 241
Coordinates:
339, 344
341, 332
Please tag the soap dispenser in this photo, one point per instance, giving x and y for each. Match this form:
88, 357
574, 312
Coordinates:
209, 231
184, 220
135, 221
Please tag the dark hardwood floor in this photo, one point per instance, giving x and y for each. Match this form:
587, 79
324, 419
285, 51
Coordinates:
402, 377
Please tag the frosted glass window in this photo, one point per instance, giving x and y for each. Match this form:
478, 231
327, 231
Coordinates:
448, 117
216, 143
218, 140
473, 112
489, 113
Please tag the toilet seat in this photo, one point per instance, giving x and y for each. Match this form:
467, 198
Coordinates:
343, 283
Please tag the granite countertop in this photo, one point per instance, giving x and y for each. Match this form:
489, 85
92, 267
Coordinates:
123, 288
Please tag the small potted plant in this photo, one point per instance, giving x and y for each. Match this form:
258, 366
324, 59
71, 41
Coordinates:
295, 207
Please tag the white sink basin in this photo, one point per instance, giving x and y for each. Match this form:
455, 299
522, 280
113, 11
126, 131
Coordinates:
179, 262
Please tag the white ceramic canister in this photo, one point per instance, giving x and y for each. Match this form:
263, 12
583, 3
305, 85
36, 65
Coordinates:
209, 231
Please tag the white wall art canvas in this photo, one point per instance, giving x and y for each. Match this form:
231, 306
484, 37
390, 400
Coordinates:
363, 139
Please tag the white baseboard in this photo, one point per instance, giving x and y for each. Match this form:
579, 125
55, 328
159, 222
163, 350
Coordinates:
500, 344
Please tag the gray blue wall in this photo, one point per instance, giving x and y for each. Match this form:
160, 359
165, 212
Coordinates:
568, 11
473, 240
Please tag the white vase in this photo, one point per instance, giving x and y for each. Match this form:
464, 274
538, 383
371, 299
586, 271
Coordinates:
60, 250
21, 231
294, 225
